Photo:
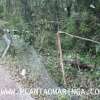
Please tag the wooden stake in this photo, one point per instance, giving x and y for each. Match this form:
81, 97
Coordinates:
60, 56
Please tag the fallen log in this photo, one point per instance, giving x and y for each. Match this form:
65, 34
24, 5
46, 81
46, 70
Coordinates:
79, 64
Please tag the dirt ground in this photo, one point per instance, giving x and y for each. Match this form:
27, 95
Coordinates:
7, 84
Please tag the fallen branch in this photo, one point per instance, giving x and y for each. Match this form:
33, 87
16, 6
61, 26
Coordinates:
74, 36
78, 64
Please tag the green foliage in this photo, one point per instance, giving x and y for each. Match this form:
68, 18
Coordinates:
53, 69
63, 97
97, 48
70, 25
67, 43
84, 28
1, 9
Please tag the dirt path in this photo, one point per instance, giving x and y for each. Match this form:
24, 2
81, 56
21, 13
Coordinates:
7, 84
37, 75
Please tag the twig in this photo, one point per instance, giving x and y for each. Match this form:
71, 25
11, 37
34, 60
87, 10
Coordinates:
55, 21
74, 36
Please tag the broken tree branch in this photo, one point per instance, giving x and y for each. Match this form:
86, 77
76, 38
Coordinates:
74, 36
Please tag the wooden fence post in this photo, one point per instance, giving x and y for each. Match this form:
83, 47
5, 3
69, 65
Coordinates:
60, 56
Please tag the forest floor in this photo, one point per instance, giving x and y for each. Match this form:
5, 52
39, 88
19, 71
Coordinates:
27, 58
36, 75
9, 89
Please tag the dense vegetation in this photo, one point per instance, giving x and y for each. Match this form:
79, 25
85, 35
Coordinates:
38, 21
